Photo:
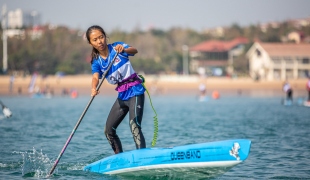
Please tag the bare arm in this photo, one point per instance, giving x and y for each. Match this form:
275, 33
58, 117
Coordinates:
94, 84
131, 50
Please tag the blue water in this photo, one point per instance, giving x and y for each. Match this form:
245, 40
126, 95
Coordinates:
31, 140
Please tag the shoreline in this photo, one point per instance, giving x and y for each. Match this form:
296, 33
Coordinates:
159, 85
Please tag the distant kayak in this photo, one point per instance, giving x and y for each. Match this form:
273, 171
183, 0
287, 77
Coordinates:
199, 160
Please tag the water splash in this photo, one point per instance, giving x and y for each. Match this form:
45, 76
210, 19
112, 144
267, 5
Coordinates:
35, 164
2, 117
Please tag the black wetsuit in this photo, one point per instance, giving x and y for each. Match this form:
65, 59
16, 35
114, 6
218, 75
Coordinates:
134, 106
308, 88
290, 94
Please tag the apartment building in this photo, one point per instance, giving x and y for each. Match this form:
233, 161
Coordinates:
279, 61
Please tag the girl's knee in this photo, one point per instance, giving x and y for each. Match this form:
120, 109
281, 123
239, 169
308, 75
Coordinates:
105, 130
109, 131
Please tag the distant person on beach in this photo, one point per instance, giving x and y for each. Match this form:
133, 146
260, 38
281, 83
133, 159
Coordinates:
288, 90
308, 88
130, 90
202, 90
12, 79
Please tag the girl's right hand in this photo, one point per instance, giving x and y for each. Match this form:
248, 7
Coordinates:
119, 48
94, 92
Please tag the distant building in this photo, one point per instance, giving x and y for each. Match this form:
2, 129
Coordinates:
298, 23
278, 61
216, 57
215, 32
265, 26
295, 36
18, 19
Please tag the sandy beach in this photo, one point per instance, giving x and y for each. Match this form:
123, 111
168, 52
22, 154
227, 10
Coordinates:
166, 85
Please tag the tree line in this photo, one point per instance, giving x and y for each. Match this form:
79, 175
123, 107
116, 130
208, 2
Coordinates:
66, 50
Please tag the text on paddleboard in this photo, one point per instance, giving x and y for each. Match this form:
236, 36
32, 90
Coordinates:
192, 154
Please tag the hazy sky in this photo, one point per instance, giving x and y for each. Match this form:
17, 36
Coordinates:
163, 14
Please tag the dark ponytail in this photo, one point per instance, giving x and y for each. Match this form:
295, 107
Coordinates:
95, 52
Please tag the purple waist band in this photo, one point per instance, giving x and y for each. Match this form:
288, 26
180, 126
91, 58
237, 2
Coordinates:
126, 85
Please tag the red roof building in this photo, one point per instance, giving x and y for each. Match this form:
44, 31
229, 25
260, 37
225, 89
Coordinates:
214, 55
219, 46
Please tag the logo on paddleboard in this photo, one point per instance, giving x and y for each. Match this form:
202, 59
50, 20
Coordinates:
235, 151
191, 154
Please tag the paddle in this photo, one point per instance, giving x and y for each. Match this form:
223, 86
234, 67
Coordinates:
81, 117
6, 111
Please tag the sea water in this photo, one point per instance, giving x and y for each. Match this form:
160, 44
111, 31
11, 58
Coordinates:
33, 137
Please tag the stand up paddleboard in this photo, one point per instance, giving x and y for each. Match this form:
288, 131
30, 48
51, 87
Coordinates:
203, 98
286, 102
205, 160
307, 103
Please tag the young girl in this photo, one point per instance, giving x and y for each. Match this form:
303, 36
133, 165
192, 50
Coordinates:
308, 88
288, 90
130, 90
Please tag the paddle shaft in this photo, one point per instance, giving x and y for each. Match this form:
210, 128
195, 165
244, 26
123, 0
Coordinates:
81, 117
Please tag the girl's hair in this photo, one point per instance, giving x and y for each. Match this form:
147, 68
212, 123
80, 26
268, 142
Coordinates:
94, 53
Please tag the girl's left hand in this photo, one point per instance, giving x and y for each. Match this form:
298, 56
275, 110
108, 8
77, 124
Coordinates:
119, 48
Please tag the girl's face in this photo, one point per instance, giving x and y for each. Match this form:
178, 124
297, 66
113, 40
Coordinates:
97, 40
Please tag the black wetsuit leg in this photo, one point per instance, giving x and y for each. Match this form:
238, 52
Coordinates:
118, 111
136, 106
117, 114
290, 95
